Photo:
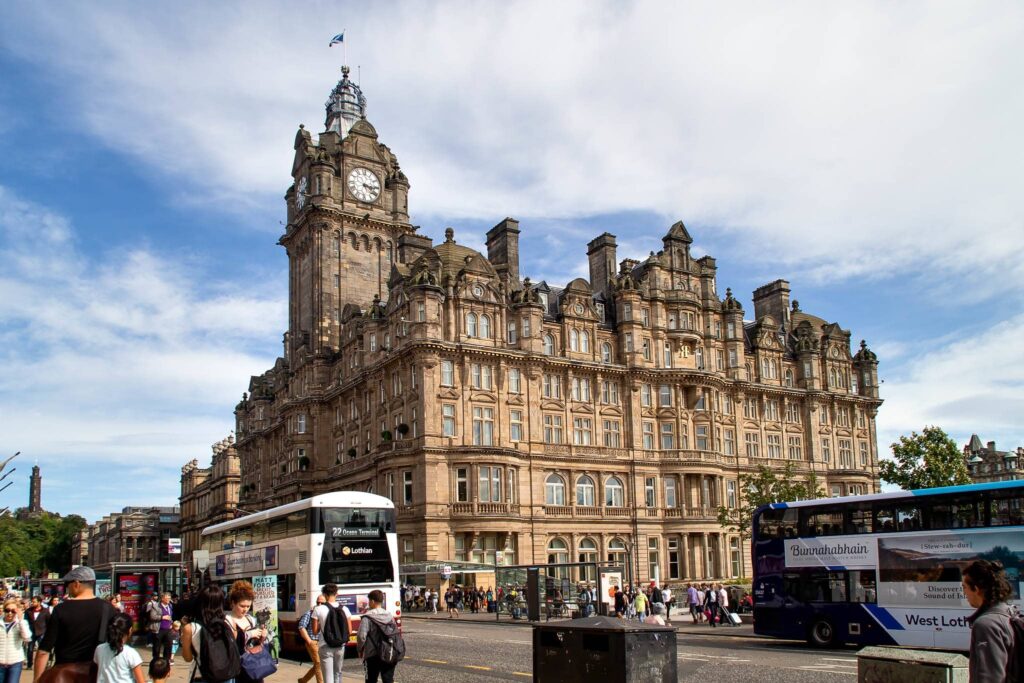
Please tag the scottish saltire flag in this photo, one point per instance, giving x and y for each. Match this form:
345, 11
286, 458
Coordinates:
340, 38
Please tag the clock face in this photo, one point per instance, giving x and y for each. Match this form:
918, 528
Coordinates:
363, 185
478, 291
579, 309
300, 192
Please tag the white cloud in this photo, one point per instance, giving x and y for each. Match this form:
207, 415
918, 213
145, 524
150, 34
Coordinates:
845, 140
970, 385
126, 365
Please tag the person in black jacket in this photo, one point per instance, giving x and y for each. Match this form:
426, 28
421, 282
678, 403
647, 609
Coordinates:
37, 616
987, 590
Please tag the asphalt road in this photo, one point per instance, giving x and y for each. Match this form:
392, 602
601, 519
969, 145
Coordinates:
474, 652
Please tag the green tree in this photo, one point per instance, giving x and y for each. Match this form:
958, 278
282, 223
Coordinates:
763, 486
38, 543
925, 460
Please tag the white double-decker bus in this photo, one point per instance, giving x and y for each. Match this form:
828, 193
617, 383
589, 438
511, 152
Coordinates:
345, 537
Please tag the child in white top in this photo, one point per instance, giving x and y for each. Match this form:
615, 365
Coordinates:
115, 661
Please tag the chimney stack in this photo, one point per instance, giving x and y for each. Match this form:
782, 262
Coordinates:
503, 249
773, 299
601, 254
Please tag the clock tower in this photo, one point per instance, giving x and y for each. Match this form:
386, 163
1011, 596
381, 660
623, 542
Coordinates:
347, 211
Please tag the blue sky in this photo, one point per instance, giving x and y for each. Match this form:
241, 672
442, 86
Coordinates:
870, 154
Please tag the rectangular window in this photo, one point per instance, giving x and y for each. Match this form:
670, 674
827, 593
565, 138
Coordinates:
580, 389
462, 484
480, 376
552, 386
648, 435
373, 343
719, 360
734, 557
792, 412
668, 441
515, 427
628, 342
512, 333
863, 453
407, 487
824, 415
671, 499
447, 373
581, 431
702, 438
771, 409
515, 381
647, 349
553, 429
415, 423
650, 492
796, 448
300, 423
673, 558
729, 445
843, 417
753, 443
733, 359
483, 426
774, 444
730, 330
730, 494
612, 434
845, 453
645, 395
447, 419
627, 312
421, 313
610, 393
490, 484
826, 450
701, 402
750, 408
665, 395
646, 314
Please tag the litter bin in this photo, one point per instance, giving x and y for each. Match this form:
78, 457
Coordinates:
604, 649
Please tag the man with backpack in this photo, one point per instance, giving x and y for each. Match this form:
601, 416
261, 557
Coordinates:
379, 641
310, 641
332, 624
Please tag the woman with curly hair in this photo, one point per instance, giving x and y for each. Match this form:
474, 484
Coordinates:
987, 590
116, 662
244, 627
209, 608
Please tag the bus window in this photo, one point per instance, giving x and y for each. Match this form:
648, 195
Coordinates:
359, 518
953, 513
862, 586
908, 518
1007, 509
778, 523
298, 523
817, 586
885, 520
260, 531
859, 520
822, 523
278, 528
243, 536
286, 592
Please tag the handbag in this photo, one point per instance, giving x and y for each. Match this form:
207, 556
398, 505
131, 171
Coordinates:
257, 662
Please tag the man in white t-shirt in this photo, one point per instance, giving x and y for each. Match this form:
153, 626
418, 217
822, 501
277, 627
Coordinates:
331, 658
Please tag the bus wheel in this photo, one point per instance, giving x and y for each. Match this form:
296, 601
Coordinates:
822, 634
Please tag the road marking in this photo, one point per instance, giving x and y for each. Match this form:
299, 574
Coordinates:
434, 661
839, 659
824, 670
478, 668
521, 673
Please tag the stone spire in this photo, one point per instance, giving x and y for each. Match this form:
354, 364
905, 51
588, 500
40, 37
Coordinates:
35, 491
345, 106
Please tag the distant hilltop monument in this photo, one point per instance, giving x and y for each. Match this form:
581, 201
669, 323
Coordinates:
35, 495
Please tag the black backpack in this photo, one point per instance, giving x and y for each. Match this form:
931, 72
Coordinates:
1016, 663
336, 630
218, 657
388, 644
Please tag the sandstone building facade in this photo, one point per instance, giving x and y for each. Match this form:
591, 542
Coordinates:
514, 421
209, 495
987, 463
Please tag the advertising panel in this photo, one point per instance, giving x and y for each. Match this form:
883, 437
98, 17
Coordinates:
849, 552
264, 607
610, 581
924, 570
128, 586
246, 561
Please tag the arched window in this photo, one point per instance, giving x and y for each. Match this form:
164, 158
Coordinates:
558, 551
549, 345
588, 553
471, 328
613, 493
699, 354
789, 378
617, 552
606, 353
485, 326
585, 491
574, 340
554, 490
832, 377
585, 342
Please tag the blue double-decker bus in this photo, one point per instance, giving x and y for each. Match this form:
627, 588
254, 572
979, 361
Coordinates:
882, 569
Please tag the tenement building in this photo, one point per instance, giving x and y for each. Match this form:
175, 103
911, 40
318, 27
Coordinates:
209, 495
987, 463
520, 421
